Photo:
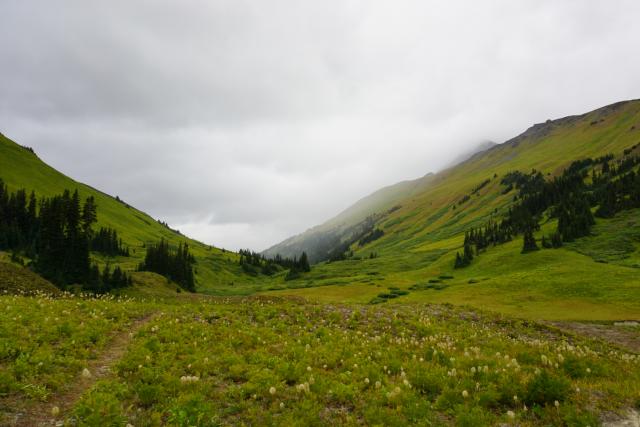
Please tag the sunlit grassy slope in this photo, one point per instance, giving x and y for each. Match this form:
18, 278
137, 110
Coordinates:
597, 277
215, 269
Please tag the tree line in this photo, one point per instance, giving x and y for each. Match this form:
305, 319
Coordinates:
106, 241
254, 263
175, 264
56, 234
613, 186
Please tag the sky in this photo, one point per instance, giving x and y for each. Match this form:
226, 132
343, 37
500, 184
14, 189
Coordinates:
242, 123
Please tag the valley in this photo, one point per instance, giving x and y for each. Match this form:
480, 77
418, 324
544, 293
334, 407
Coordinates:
417, 305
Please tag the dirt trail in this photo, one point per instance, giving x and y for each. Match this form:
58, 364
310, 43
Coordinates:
627, 338
39, 414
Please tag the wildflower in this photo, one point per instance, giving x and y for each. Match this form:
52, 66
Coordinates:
366, 381
272, 391
465, 393
281, 405
556, 404
186, 379
588, 370
511, 414
378, 384
86, 373
308, 368
473, 369
55, 411
515, 399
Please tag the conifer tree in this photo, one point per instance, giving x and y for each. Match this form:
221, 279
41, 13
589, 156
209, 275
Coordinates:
529, 242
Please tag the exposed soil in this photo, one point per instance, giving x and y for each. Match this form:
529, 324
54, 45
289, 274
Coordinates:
621, 334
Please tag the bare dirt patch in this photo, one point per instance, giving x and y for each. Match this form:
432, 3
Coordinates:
621, 334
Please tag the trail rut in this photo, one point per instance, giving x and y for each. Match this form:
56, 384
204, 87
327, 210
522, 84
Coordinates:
39, 414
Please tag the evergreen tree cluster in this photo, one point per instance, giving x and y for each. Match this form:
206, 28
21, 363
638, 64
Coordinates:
373, 235
106, 242
570, 197
174, 264
467, 255
55, 233
254, 263
107, 280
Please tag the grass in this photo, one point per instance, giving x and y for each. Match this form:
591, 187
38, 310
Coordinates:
553, 284
15, 279
45, 341
594, 278
215, 270
274, 361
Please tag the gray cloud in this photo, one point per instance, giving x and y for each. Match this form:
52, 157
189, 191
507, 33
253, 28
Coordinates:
244, 122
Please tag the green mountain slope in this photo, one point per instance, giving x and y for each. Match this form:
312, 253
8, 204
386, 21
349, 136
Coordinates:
215, 269
321, 240
423, 234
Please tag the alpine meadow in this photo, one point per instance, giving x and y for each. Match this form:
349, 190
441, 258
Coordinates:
500, 288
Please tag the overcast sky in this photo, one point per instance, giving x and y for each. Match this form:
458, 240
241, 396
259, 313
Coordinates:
244, 122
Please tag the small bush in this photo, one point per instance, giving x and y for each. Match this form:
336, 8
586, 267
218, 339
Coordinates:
546, 388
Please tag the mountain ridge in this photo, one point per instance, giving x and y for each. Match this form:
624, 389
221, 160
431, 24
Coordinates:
386, 197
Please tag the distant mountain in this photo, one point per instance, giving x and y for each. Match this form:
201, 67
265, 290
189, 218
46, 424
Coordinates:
420, 209
404, 242
483, 146
321, 241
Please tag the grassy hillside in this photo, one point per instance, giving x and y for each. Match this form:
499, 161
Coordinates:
215, 269
15, 279
595, 277
380, 202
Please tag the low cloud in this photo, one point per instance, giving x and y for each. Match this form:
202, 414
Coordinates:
242, 123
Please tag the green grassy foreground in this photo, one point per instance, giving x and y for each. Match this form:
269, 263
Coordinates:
272, 361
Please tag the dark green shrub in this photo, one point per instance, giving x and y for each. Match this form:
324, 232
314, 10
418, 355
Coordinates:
148, 394
427, 382
546, 388
475, 417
